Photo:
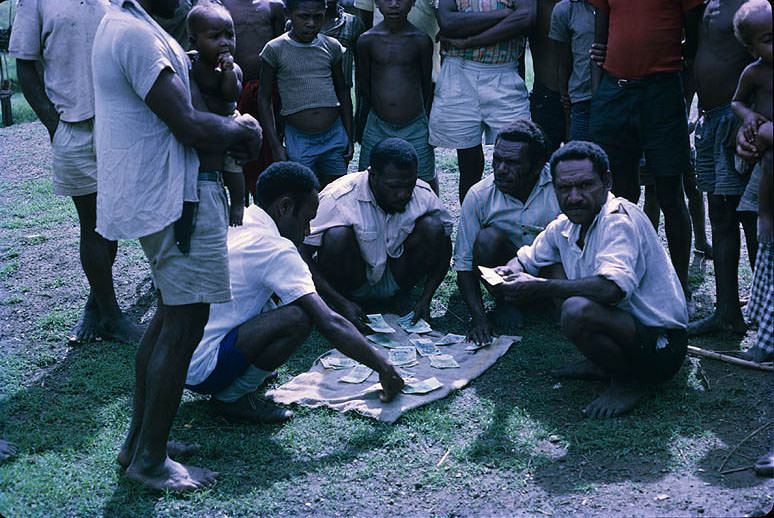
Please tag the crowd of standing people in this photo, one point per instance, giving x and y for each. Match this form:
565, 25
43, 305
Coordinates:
153, 106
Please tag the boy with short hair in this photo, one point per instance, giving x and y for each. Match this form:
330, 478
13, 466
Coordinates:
395, 63
316, 104
216, 86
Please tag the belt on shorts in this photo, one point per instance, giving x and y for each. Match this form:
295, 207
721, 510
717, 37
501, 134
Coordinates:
207, 176
651, 78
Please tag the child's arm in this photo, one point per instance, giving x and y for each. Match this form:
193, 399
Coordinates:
426, 68
266, 112
744, 91
345, 108
235, 183
231, 78
563, 71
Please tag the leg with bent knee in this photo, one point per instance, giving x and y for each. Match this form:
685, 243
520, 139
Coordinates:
340, 259
471, 164
425, 250
492, 248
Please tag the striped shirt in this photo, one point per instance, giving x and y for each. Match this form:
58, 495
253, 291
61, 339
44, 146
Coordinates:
496, 54
486, 206
304, 71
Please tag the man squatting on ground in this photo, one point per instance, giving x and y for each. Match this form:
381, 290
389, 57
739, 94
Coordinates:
274, 304
499, 215
58, 36
623, 306
150, 188
378, 232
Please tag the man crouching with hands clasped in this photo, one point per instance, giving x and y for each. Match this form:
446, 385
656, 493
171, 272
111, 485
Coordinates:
623, 306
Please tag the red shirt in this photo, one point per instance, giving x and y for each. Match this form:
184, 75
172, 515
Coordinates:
644, 36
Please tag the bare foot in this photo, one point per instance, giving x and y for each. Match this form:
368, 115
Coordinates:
121, 329
507, 315
8, 451
704, 248
714, 324
173, 476
764, 466
618, 399
87, 329
581, 370
175, 450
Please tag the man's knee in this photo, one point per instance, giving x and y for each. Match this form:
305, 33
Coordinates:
576, 315
429, 228
338, 240
490, 247
670, 194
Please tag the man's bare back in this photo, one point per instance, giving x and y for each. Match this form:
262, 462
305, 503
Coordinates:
395, 62
255, 23
545, 55
720, 58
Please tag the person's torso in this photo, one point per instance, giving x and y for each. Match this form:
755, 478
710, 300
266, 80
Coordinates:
496, 54
253, 28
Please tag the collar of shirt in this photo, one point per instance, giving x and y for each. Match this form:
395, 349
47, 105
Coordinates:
260, 219
364, 192
572, 232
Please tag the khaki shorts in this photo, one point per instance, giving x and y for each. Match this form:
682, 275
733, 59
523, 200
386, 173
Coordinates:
202, 275
75, 162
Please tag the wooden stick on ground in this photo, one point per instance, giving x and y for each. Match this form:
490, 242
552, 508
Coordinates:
749, 435
736, 470
729, 359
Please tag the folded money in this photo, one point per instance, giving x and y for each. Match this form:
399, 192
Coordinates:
402, 355
357, 375
385, 340
420, 327
337, 362
422, 387
443, 361
425, 346
490, 276
450, 339
378, 324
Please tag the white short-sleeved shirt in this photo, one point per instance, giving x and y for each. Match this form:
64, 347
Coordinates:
349, 202
486, 206
144, 172
262, 265
621, 246
60, 35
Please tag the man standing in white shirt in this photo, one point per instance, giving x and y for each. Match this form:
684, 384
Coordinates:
275, 304
379, 232
57, 37
624, 306
499, 215
150, 187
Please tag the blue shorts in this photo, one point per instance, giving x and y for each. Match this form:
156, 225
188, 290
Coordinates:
231, 365
321, 152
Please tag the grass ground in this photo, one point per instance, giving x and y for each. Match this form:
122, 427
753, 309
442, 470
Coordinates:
517, 442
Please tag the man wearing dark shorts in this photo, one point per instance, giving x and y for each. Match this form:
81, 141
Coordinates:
638, 106
623, 305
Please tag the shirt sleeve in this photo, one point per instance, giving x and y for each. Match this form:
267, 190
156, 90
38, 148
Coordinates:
617, 254
467, 231
26, 34
269, 55
328, 216
603, 5
140, 58
290, 279
336, 50
543, 251
365, 5
560, 23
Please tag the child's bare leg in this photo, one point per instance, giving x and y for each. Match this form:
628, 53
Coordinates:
235, 183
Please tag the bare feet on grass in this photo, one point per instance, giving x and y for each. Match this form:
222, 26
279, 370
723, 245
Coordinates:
617, 400
581, 370
87, 329
173, 476
121, 329
175, 450
716, 323
8, 451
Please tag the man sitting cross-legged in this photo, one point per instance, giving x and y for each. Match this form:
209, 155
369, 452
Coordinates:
274, 304
624, 306
378, 232
500, 214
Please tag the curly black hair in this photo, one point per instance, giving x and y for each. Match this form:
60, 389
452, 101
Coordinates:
285, 179
579, 150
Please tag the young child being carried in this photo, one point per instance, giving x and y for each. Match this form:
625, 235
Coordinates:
394, 68
316, 103
216, 84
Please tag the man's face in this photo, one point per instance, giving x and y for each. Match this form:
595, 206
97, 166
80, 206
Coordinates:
163, 8
293, 224
579, 190
215, 36
306, 19
393, 187
513, 171
394, 9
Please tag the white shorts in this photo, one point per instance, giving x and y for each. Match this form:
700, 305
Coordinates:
472, 98
75, 162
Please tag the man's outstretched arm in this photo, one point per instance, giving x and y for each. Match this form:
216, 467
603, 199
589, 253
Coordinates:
523, 287
344, 337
